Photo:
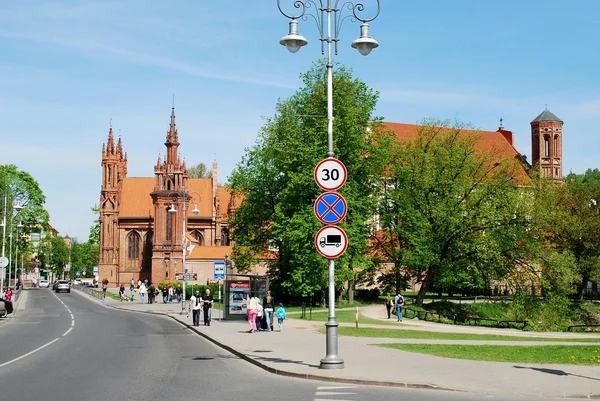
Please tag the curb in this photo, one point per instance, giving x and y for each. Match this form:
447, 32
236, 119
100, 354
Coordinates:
315, 377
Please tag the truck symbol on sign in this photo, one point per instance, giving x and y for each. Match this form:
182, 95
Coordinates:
331, 240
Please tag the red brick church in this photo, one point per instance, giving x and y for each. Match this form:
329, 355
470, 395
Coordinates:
143, 219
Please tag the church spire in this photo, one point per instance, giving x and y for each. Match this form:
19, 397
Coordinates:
172, 142
110, 145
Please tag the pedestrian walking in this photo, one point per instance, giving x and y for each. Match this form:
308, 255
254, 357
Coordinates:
170, 293
389, 304
165, 294
104, 287
142, 292
132, 286
280, 316
207, 304
179, 293
252, 310
268, 305
399, 303
195, 306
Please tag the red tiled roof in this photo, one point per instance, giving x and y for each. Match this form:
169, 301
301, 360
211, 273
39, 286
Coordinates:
495, 143
137, 202
210, 252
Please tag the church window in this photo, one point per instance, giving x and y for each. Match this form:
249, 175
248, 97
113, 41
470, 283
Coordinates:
198, 236
225, 237
546, 146
169, 227
133, 246
147, 253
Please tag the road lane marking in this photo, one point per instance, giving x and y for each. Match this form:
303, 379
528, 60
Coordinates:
334, 387
67, 332
29, 353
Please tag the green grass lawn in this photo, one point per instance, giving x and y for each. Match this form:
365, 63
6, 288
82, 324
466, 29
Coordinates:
543, 354
434, 335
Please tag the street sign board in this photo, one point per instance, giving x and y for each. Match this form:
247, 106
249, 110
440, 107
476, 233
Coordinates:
330, 208
186, 276
77, 274
330, 174
95, 271
331, 242
219, 270
3, 261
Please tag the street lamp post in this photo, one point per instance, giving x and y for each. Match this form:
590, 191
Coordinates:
186, 198
364, 44
2, 266
20, 225
16, 208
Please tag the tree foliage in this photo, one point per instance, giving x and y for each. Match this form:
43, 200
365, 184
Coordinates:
84, 256
451, 210
568, 217
54, 254
24, 190
275, 177
94, 237
200, 170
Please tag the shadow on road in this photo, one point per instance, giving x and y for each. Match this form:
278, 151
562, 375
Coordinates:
556, 372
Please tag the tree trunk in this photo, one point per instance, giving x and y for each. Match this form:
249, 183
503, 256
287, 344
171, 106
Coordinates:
424, 287
351, 291
582, 286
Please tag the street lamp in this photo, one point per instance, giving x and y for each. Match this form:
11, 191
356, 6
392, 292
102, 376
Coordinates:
364, 44
20, 225
172, 210
16, 209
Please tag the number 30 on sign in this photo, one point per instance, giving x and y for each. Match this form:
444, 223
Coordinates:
330, 174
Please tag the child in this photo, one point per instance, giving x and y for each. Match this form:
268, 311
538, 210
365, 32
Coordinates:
280, 316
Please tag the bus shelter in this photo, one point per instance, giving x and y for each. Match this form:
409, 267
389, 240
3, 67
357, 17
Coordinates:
237, 291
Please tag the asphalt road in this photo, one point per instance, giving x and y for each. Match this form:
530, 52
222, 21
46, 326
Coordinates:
70, 347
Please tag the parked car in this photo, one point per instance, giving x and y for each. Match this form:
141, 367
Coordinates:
77, 281
6, 307
62, 285
44, 284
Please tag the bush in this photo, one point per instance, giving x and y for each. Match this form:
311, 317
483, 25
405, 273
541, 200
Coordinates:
370, 296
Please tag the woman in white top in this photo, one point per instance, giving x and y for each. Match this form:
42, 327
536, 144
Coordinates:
252, 308
142, 292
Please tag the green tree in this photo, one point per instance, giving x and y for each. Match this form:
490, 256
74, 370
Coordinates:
199, 171
84, 255
23, 189
568, 217
453, 213
94, 237
276, 180
54, 254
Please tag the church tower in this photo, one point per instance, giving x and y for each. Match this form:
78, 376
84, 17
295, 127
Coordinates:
546, 145
114, 170
171, 199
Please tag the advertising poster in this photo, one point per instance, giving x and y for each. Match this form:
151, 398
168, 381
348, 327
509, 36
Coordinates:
238, 293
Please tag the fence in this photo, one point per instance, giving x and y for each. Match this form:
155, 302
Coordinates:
463, 320
91, 291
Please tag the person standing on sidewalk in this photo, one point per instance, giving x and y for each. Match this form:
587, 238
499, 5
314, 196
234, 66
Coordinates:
104, 287
389, 303
142, 290
252, 308
179, 293
207, 303
280, 316
399, 303
268, 306
194, 307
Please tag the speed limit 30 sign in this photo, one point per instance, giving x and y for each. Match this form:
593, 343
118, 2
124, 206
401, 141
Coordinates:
330, 174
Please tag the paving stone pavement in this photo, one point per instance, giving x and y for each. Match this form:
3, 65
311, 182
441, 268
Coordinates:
298, 349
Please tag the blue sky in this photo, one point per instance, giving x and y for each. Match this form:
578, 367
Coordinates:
69, 66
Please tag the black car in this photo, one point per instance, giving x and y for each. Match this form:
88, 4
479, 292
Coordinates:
6, 307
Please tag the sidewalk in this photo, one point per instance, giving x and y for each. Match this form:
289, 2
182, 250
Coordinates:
298, 349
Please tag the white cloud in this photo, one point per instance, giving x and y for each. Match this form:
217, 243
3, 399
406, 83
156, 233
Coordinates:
591, 107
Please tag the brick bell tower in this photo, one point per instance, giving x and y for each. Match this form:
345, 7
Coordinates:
170, 197
546, 145
114, 170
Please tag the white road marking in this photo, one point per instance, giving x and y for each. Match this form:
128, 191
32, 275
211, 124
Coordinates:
29, 353
330, 399
334, 387
72, 323
67, 332
333, 393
